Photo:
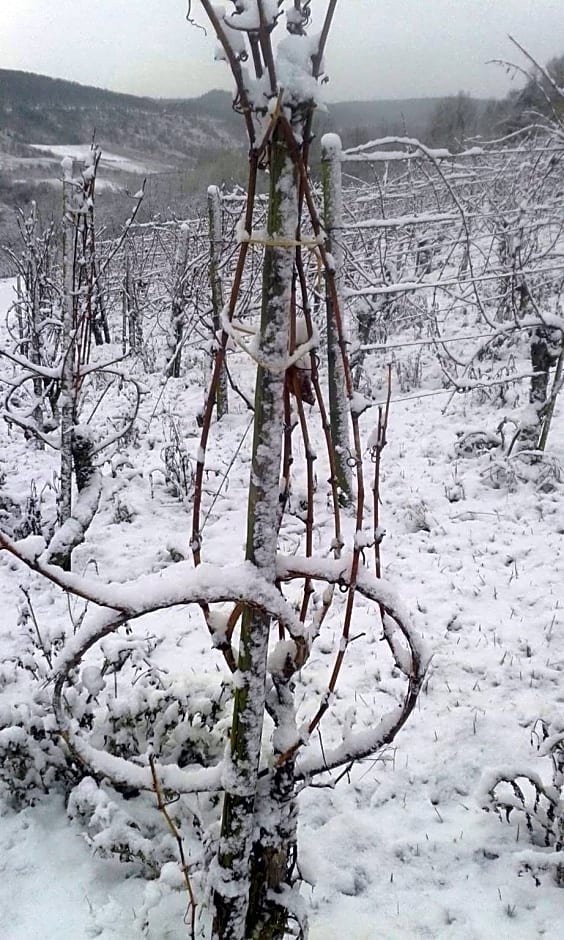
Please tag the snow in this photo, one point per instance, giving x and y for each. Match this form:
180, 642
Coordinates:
235, 37
331, 145
51, 861
294, 66
472, 561
92, 679
108, 160
403, 843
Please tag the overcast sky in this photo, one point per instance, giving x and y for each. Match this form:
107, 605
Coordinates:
378, 48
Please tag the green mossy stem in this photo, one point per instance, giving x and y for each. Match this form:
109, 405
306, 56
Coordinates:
243, 905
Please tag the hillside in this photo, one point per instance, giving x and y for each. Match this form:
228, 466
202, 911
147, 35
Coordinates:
37, 109
180, 145
355, 119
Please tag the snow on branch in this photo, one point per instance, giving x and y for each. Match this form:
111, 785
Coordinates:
73, 530
125, 773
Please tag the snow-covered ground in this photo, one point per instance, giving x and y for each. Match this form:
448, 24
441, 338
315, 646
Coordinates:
401, 849
54, 181
108, 161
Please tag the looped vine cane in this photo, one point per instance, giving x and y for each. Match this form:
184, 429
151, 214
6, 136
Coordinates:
122, 772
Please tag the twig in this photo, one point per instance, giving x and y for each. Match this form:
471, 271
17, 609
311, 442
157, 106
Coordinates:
378, 447
44, 649
161, 805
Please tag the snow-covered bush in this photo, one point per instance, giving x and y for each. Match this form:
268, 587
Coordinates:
129, 709
543, 471
178, 470
540, 803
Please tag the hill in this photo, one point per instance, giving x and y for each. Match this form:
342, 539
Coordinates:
35, 109
38, 109
181, 145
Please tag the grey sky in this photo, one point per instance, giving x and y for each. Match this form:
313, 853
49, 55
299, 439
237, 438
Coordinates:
378, 48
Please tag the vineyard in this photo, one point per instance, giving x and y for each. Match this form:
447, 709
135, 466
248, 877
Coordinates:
281, 520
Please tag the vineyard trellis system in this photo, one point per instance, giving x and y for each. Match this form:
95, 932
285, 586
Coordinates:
307, 285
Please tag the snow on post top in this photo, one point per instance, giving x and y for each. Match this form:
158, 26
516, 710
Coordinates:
66, 166
331, 145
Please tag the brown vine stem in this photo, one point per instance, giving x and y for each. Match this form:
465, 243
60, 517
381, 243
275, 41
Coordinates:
381, 441
161, 805
337, 539
234, 65
331, 287
310, 459
210, 400
317, 59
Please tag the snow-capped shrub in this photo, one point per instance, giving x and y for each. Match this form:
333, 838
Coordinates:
472, 443
417, 516
525, 793
129, 829
128, 708
534, 467
409, 371
178, 471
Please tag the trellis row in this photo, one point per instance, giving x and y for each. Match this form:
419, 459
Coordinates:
428, 234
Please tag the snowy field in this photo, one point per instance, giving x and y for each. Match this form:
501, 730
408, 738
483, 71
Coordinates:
401, 850
108, 161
